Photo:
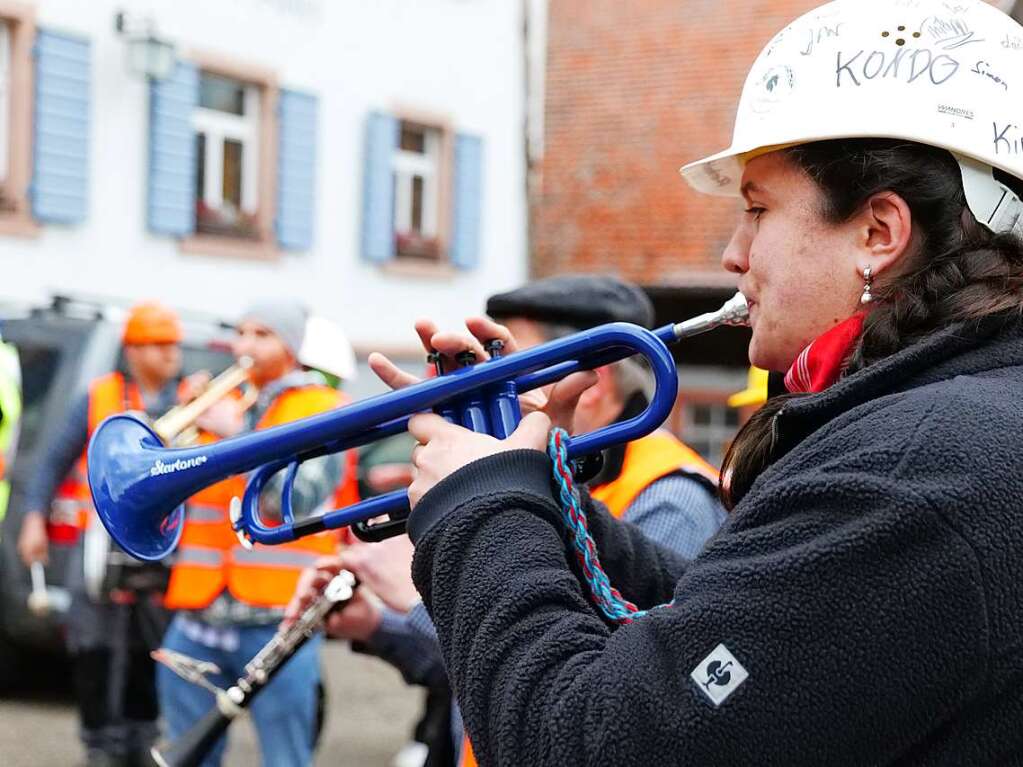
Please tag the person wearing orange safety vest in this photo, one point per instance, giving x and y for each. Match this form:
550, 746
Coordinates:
230, 596
112, 625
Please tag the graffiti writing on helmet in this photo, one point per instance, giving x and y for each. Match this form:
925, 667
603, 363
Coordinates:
907, 65
1013, 43
949, 34
1008, 139
777, 40
774, 87
956, 7
945, 109
983, 68
719, 178
819, 35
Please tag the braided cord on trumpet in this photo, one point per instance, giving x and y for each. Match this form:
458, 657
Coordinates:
615, 607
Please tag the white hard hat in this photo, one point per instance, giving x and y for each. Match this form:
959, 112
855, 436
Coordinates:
326, 347
945, 74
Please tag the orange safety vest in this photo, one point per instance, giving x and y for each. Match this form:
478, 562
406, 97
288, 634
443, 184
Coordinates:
108, 395
210, 557
647, 460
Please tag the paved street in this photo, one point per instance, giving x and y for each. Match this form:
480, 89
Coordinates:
370, 716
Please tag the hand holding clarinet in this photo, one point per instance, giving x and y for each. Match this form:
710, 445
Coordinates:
334, 594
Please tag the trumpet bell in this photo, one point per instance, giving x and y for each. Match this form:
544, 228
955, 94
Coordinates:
125, 465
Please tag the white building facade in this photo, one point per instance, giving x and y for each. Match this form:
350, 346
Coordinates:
366, 157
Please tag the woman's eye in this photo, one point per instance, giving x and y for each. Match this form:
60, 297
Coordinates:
756, 212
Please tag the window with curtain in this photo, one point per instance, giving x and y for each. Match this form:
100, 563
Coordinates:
227, 134
416, 166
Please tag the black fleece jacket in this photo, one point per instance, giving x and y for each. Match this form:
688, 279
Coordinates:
870, 585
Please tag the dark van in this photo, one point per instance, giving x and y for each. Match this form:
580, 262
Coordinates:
61, 348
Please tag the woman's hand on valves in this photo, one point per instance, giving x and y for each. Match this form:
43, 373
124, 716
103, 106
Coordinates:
444, 447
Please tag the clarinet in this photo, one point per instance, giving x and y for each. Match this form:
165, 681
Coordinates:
191, 748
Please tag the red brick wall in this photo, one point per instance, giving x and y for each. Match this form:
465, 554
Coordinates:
636, 88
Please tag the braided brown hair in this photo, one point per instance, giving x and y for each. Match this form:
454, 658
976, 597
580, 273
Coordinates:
958, 270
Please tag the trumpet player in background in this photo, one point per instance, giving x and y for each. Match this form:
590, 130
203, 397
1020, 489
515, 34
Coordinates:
229, 597
112, 624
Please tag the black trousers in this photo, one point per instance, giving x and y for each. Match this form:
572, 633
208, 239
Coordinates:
114, 675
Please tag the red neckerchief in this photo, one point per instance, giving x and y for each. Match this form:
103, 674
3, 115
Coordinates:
821, 363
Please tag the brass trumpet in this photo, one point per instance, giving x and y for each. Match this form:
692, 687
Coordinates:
177, 425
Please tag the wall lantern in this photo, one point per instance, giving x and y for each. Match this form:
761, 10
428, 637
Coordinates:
149, 56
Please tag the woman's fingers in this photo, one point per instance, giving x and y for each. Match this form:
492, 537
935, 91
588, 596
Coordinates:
392, 375
428, 426
531, 433
452, 344
426, 329
485, 329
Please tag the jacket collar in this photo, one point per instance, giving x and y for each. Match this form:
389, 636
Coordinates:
962, 349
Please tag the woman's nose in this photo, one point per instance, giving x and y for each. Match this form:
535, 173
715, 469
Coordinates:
735, 257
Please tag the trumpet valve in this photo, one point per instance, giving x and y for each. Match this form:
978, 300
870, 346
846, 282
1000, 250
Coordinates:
494, 347
235, 514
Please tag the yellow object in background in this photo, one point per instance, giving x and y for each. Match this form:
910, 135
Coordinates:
755, 393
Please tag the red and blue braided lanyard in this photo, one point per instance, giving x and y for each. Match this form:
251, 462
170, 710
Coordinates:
615, 607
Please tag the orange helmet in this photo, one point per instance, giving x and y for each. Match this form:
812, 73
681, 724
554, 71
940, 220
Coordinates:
151, 323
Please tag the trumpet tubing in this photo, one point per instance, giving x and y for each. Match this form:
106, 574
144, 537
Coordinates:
138, 486
178, 419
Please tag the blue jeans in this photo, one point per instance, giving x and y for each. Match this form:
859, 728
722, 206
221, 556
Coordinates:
284, 713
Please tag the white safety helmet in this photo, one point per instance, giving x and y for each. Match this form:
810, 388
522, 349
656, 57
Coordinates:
947, 74
327, 348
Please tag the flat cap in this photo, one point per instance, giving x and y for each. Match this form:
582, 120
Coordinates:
579, 300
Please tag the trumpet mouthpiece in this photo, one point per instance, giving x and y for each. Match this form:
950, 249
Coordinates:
734, 312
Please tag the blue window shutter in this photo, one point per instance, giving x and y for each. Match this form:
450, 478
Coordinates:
172, 147
60, 149
468, 194
378, 188
296, 169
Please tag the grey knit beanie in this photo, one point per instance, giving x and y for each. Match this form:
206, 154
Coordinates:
286, 318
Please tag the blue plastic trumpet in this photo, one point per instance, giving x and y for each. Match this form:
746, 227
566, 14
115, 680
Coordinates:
139, 486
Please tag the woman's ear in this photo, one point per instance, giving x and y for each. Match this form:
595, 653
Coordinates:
887, 226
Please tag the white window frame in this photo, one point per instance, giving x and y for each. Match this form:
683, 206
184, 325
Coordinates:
220, 126
406, 165
5, 98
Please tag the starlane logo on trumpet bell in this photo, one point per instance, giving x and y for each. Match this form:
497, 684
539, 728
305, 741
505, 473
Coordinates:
179, 465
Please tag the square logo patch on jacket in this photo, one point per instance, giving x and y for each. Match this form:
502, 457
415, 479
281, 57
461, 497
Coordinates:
719, 675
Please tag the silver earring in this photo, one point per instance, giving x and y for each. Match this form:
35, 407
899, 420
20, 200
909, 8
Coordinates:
868, 280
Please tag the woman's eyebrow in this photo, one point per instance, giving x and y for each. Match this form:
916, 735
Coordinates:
751, 187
